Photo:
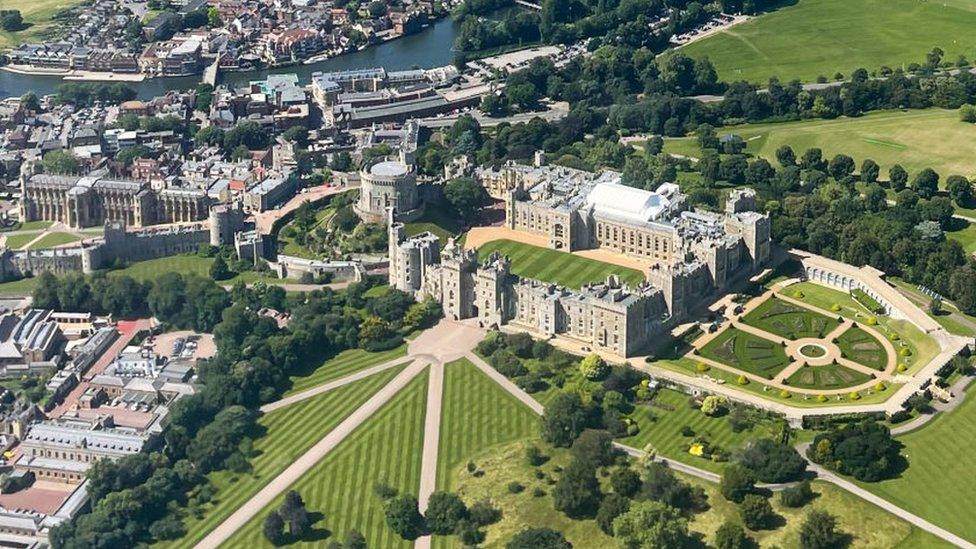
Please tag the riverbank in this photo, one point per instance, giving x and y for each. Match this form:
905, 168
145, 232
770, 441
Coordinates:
69, 74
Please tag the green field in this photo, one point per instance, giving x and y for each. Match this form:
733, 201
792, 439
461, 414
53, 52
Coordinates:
790, 321
290, 432
939, 485
345, 363
52, 240
387, 448
661, 423
829, 376
478, 416
862, 347
561, 268
747, 352
926, 139
437, 221
823, 37
17, 241
964, 235
37, 15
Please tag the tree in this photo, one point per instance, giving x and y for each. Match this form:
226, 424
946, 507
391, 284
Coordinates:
841, 166
563, 420
870, 171
926, 183
785, 156
445, 510
864, 450
960, 190
651, 525
625, 481
797, 495
11, 20
403, 517
593, 367
577, 492
273, 527
466, 196
611, 507
60, 162
297, 135
737, 482
219, 269
213, 17
731, 536
538, 538
819, 531
771, 461
594, 447
293, 512
898, 178
714, 405
756, 512
30, 101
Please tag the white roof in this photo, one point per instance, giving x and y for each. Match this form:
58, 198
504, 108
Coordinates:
628, 203
389, 169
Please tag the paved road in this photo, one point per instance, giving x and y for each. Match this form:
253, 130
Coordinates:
958, 389
326, 387
432, 435
300, 466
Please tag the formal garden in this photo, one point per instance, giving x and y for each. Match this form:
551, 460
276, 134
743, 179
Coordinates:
747, 352
785, 319
860, 346
830, 376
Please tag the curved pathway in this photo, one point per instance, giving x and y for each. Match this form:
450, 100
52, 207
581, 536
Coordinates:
958, 390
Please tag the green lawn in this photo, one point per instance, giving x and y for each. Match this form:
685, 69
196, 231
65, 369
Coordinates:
345, 363
437, 221
862, 347
37, 14
939, 485
34, 225
478, 416
822, 37
830, 376
747, 352
23, 287
387, 448
790, 321
52, 240
924, 138
17, 241
558, 267
965, 235
290, 432
661, 423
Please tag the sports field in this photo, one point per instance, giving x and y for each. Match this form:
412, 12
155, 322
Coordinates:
790, 321
554, 266
387, 448
915, 139
289, 432
345, 363
823, 37
662, 421
747, 352
939, 485
37, 15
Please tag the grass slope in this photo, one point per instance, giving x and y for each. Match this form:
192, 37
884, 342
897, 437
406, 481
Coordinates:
386, 448
52, 240
926, 138
557, 267
478, 416
290, 432
345, 363
822, 37
37, 15
938, 484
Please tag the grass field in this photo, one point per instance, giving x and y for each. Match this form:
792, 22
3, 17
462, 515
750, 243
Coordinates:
558, 267
965, 235
939, 485
345, 363
915, 139
37, 15
387, 448
478, 416
661, 423
17, 241
863, 348
747, 352
290, 432
437, 221
830, 376
788, 320
823, 37
52, 240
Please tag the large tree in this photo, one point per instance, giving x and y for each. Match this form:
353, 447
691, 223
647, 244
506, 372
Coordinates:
651, 525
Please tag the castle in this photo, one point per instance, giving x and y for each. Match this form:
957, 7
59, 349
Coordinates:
86, 201
690, 254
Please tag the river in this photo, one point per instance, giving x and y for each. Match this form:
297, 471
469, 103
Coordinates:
429, 48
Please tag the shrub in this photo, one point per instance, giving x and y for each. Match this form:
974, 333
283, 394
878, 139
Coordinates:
854, 395
835, 307
702, 367
822, 398
879, 386
798, 294
538, 493
535, 457
385, 491
756, 512
905, 351
900, 416
902, 367
484, 513
783, 393
742, 380
515, 487
714, 405
872, 321
797, 495
593, 367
